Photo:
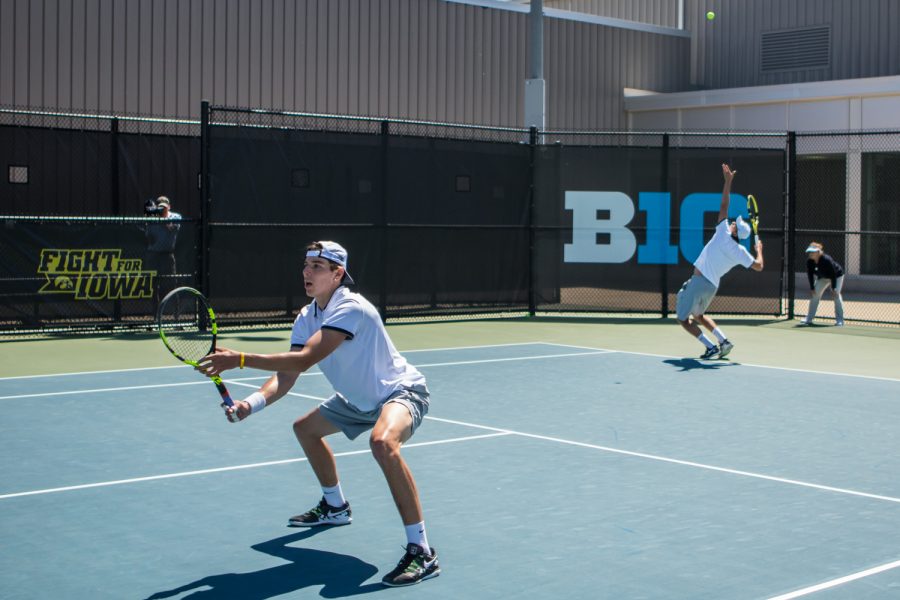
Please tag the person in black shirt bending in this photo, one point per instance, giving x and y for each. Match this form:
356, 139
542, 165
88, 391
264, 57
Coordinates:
823, 271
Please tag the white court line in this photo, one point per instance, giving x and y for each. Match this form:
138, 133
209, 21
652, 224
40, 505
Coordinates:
836, 582
685, 463
536, 343
232, 468
92, 372
791, 369
230, 381
616, 450
181, 366
697, 465
129, 388
514, 358
676, 461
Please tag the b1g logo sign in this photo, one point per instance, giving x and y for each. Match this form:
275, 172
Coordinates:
609, 213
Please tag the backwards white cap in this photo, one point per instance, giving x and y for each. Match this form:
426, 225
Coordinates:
743, 230
335, 253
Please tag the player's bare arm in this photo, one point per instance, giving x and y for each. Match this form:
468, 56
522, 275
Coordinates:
759, 262
728, 175
320, 344
275, 388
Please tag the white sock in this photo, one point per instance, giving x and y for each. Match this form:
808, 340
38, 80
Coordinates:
334, 496
719, 335
705, 341
415, 534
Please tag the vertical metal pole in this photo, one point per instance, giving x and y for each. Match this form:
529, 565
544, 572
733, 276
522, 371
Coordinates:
791, 221
205, 202
383, 223
114, 191
114, 166
536, 51
664, 268
535, 94
532, 173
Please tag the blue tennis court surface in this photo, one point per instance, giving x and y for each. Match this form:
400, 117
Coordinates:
546, 471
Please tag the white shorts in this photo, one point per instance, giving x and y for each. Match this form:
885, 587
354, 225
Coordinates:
694, 297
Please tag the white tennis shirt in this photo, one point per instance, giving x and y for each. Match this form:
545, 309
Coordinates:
366, 368
721, 254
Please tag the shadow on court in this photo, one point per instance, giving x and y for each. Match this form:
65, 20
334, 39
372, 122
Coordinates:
690, 364
338, 574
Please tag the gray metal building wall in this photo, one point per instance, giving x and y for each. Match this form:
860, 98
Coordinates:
587, 66
865, 39
654, 12
417, 59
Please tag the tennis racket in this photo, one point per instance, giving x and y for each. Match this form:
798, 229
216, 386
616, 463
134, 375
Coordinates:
753, 215
187, 326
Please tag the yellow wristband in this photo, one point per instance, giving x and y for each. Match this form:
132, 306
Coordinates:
242, 360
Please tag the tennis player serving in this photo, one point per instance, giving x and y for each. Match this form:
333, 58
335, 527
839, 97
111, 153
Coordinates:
720, 255
375, 388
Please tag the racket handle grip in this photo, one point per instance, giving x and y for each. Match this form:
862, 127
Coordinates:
223, 391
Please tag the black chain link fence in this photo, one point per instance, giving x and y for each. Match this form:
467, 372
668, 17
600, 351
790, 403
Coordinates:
441, 220
848, 200
75, 252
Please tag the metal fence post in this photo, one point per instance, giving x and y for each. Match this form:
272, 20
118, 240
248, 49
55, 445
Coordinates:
792, 221
664, 268
114, 166
114, 192
532, 173
383, 223
203, 235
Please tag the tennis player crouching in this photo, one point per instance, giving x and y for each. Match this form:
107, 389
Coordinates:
720, 255
375, 389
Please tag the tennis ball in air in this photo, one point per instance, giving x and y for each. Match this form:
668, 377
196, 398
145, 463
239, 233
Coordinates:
710, 16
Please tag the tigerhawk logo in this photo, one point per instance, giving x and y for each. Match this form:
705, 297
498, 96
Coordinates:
94, 274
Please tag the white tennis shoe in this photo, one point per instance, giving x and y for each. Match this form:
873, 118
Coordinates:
323, 514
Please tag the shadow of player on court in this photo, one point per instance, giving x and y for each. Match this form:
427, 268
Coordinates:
338, 575
691, 364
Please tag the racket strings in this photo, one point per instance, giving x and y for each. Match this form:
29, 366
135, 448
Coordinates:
186, 326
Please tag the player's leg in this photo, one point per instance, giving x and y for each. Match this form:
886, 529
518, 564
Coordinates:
333, 509
692, 300
725, 346
311, 430
706, 322
838, 302
395, 425
690, 326
816, 295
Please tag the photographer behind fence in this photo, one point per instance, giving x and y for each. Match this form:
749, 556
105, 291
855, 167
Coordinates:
161, 238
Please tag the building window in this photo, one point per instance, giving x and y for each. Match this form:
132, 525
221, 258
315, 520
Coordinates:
18, 174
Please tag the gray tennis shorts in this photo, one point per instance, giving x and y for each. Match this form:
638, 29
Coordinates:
353, 421
694, 297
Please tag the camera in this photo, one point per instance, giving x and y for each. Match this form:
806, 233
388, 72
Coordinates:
151, 208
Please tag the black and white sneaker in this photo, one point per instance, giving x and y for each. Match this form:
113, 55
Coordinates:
710, 353
415, 566
724, 348
323, 514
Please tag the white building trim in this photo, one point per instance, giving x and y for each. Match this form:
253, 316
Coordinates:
845, 105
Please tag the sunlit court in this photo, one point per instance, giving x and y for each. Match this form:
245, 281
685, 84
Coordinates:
628, 472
